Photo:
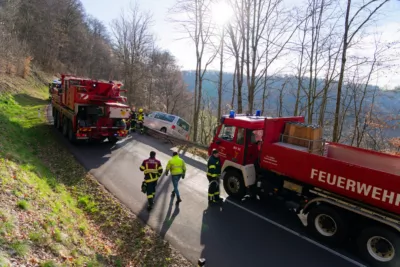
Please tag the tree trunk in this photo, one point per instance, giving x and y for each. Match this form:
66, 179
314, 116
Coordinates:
221, 67
335, 134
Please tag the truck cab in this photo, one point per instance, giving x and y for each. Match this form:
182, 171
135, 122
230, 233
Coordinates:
341, 193
238, 137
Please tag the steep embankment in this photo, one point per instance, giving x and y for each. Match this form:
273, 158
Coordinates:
52, 212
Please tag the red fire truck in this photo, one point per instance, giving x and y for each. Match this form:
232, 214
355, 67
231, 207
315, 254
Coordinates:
85, 109
343, 193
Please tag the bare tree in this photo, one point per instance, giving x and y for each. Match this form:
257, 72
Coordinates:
197, 24
352, 26
132, 45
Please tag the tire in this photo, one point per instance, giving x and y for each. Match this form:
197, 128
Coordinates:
368, 248
327, 225
55, 119
59, 126
65, 127
234, 184
71, 134
163, 129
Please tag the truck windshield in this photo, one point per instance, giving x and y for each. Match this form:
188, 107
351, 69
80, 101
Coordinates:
227, 132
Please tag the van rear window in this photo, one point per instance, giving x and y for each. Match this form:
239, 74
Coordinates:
183, 124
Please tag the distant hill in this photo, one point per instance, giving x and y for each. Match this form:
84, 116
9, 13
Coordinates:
387, 101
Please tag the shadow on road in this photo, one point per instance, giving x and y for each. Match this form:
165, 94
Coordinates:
165, 147
91, 155
161, 199
169, 218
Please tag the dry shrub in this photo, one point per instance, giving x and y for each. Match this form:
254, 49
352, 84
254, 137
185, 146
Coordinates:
11, 69
27, 67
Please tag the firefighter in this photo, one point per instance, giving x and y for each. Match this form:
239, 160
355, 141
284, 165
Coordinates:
152, 169
177, 167
133, 117
213, 174
140, 120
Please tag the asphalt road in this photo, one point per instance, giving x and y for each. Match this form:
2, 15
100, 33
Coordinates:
235, 234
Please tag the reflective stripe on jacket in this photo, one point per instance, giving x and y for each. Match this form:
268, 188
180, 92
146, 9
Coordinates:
213, 167
152, 169
176, 165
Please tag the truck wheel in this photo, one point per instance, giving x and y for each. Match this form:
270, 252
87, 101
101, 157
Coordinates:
65, 127
234, 185
380, 247
55, 118
327, 225
71, 134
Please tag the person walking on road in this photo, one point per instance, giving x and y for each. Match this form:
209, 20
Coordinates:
177, 167
152, 169
213, 174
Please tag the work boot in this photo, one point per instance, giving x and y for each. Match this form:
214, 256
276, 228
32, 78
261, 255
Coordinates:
218, 200
173, 193
149, 207
178, 200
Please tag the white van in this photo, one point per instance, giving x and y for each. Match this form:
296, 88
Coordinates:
168, 123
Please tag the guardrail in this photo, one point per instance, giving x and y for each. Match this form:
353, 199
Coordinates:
173, 140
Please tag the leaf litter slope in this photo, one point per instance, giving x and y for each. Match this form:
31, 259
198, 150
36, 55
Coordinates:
52, 213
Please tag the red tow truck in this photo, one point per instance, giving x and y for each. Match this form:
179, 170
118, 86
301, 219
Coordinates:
86, 109
343, 193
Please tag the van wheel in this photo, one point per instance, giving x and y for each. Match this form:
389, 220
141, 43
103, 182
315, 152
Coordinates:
327, 224
163, 129
379, 246
234, 184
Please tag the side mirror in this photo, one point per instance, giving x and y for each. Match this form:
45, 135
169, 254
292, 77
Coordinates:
215, 131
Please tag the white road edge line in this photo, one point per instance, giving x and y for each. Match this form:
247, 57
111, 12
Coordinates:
298, 234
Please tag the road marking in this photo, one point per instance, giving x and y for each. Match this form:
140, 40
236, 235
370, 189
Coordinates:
298, 234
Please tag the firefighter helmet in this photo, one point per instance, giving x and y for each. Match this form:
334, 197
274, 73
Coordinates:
140, 110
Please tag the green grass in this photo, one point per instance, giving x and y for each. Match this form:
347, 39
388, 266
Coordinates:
21, 248
4, 261
49, 263
64, 211
23, 204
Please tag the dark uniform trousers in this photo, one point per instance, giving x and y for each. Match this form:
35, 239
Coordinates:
133, 121
152, 169
213, 174
140, 120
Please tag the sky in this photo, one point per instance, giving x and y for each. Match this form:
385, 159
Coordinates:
169, 38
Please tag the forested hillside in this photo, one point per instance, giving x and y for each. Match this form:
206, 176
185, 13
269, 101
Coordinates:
319, 59
59, 36
327, 80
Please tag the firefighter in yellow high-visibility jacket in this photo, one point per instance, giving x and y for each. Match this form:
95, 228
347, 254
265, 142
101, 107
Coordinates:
140, 120
177, 167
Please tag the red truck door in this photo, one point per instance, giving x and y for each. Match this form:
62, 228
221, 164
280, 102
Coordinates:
253, 139
225, 142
